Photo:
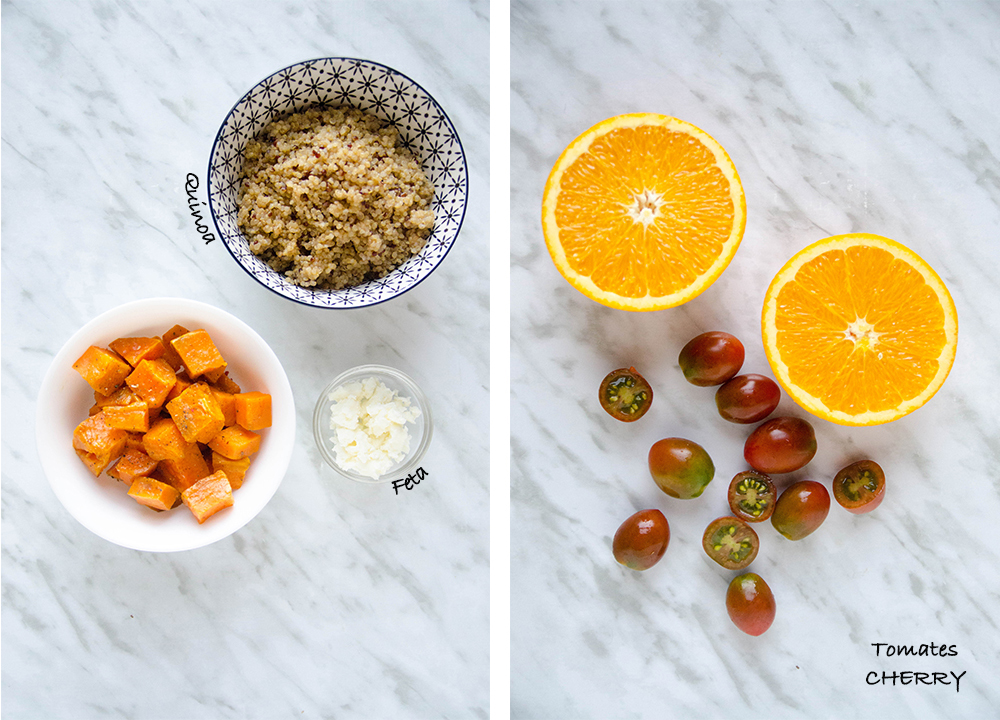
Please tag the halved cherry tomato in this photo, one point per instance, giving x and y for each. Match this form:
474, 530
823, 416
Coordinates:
711, 358
752, 496
801, 508
730, 542
641, 540
860, 487
750, 603
625, 394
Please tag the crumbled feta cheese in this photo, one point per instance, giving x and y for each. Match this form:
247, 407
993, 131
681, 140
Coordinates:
369, 423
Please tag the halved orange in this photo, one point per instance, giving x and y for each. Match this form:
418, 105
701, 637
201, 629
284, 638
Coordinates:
859, 329
643, 212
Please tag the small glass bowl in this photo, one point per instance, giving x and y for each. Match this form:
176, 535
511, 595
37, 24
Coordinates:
420, 430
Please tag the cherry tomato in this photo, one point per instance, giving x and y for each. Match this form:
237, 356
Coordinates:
681, 468
747, 398
641, 540
780, 445
625, 394
752, 496
711, 358
730, 542
801, 508
860, 487
750, 603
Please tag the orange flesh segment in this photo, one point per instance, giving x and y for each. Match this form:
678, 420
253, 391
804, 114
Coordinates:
690, 211
897, 352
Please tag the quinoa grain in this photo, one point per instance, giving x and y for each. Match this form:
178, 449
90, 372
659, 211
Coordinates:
330, 198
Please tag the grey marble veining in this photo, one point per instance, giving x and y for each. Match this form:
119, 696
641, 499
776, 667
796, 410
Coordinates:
339, 599
840, 117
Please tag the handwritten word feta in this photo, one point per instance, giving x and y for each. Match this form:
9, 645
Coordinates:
410, 481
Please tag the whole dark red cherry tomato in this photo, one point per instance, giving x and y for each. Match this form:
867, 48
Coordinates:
752, 496
730, 542
641, 540
747, 399
625, 394
780, 445
860, 487
681, 468
711, 358
750, 603
801, 508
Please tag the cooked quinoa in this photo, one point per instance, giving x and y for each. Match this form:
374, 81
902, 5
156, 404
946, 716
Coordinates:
332, 199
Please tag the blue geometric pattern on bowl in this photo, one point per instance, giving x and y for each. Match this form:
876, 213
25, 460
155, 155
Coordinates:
423, 127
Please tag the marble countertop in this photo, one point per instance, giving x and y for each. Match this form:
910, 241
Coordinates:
340, 599
840, 117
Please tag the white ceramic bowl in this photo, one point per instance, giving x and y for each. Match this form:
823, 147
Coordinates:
102, 504
420, 430
423, 127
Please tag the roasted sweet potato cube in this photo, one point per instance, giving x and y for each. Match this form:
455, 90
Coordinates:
136, 349
213, 376
226, 384
151, 380
94, 435
111, 471
97, 444
235, 470
253, 410
133, 464
186, 471
94, 462
197, 413
227, 403
199, 354
121, 396
164, 441
235, 442
134, 440
157, 475
209, 495
134, 417
183, 383
153, 493
102, 369
175, 332
170, 355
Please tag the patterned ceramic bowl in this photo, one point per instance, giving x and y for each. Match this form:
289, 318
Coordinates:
423, 127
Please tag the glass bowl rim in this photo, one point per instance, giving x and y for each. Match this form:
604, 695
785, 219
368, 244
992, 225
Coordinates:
416, 395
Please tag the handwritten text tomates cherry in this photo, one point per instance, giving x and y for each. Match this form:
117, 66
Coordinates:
910, 677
